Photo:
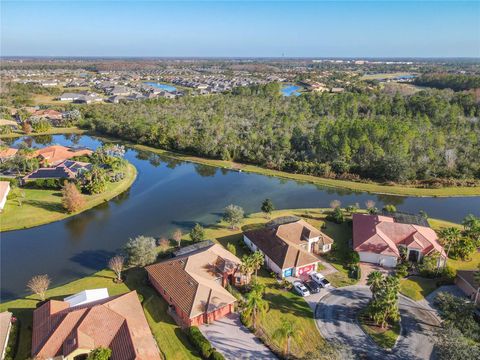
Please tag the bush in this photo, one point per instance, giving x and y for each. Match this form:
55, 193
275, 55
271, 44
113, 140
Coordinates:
402, 270
355, 272
43, 184
216, 356
200, 342
336, 216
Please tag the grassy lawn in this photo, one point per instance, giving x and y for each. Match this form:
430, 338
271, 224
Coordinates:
416, 287
52, 131
172, 342
385, 338
44, 206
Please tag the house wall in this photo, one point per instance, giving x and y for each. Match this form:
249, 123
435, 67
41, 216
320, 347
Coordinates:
384, 260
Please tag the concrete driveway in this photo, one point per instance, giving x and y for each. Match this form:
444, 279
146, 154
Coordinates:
234, 340
336, 319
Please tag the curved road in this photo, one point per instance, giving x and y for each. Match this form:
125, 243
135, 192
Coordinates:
336, 319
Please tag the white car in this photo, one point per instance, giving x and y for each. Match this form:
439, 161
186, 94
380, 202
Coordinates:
300, 289
317, 277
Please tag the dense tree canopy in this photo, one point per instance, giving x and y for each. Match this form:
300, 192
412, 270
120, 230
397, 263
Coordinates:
431, 134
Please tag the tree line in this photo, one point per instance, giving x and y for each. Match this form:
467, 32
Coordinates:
371, 135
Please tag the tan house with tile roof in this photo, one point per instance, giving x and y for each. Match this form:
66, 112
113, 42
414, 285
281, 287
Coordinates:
289, 248
62, 331
194, 284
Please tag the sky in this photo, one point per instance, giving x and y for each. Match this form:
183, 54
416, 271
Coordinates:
240, 28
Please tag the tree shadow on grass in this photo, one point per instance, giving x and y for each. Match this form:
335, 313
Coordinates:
49, 206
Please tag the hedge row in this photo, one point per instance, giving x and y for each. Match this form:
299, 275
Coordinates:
203, 345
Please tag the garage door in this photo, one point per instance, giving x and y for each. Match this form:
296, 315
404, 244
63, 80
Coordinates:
288, 272
305, 269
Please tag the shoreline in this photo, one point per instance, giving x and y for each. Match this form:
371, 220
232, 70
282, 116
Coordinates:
369, 187
92, 201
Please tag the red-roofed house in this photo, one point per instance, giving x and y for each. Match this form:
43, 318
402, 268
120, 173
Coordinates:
377, 239
63, 331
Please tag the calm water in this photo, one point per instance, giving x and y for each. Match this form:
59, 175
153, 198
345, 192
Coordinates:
165, 87
289, 90
167, 194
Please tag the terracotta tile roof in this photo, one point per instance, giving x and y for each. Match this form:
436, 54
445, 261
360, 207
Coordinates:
53, 114
382, 235
5, 319
116, 322
282, 244
7, 153
56, 154
192, 280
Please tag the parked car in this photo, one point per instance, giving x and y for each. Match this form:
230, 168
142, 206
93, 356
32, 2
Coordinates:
317, 277
312, 286
325, 283
300, 288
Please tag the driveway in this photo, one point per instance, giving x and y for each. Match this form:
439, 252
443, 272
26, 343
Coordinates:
336, 319
234, 340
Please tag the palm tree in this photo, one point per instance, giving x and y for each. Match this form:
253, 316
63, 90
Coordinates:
375, 281
285, 333
255, 305
257, 261
247, 266
450, 237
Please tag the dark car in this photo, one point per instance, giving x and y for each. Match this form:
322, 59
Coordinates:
312, 286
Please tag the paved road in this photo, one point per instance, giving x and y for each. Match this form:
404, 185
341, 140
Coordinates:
234, 340
336, 319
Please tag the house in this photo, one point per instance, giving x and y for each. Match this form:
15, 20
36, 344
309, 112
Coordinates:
288, 246
465, 280
379, 238
55, 154
193, 284
67, 169
7, 153
48, 114
4, 190
5, 327
63, 331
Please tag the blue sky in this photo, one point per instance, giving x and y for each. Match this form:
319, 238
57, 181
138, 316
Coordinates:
241, 28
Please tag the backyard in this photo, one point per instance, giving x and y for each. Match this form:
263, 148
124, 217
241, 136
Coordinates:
45, 206
171, 340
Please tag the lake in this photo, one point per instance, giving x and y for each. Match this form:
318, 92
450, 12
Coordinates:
167, 194
165, 87
289, 90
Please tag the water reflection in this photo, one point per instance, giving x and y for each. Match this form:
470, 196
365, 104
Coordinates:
169, 193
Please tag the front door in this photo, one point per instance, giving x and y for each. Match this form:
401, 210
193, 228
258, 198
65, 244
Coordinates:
413, 255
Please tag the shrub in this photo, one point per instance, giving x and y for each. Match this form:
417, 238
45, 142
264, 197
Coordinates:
216, 356
52, 184
402, 270
231, 248
336, 216
100, 353
200, 342
141, 251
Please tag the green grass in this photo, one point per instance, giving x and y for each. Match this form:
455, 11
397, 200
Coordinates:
52, 131
44, 206
385, 338
416, 287
171, 340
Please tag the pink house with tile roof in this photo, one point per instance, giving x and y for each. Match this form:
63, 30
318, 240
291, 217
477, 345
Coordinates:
377, 240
